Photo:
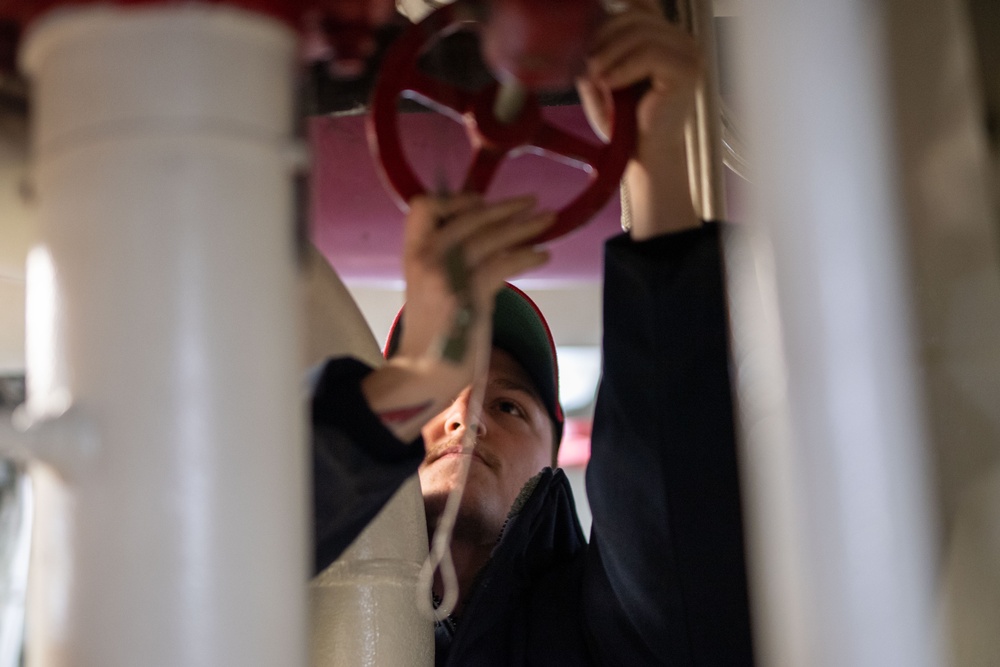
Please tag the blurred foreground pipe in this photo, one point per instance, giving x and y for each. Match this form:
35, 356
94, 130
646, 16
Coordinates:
161, 314
18, 230
15, 529
839, 519
954, 232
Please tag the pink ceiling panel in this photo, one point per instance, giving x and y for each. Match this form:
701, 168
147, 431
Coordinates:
358, 226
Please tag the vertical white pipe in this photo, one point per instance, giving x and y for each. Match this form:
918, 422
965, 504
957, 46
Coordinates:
17, 230
165, 300
15, 538
954, 233
17, 233
834, 453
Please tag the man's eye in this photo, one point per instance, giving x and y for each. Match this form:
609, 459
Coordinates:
510, 407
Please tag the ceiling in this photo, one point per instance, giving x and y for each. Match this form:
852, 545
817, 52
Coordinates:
357, 225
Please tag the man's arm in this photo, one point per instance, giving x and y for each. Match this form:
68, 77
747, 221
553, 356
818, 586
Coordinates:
357, 463
366, 422
418, 381
666, 579
666, 558
639, 46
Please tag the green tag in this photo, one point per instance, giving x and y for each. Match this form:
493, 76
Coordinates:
456, 270
457, 342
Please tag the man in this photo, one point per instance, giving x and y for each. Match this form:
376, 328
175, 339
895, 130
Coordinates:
662, 579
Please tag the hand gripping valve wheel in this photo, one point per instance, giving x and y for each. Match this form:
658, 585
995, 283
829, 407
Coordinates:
529, 46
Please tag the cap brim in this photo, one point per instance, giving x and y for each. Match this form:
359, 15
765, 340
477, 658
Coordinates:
520, 329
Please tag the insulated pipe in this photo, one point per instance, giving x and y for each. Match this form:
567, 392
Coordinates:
834, 445
161, 326
363, 607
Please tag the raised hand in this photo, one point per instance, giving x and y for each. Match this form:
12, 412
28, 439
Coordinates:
639, 45
487, 241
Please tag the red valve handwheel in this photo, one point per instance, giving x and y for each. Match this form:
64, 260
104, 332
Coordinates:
491, 140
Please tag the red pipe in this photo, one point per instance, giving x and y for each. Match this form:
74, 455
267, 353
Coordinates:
348, 25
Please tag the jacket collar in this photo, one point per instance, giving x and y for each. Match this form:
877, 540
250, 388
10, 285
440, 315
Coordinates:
541, 530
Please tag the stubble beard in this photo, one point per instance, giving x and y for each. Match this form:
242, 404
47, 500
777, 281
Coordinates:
475, 522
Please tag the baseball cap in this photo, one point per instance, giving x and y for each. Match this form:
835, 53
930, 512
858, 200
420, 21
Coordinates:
520, 329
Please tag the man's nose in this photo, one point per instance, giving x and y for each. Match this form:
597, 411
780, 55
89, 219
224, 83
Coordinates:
459, 418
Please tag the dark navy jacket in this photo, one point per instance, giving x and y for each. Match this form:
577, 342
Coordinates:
662, 579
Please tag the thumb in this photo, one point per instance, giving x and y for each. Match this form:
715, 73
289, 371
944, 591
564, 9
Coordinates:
597, 104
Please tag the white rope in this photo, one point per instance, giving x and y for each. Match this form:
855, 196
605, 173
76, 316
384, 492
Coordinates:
440, 558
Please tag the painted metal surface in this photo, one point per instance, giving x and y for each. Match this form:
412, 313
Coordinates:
15, 532
18, 231
835, 445
162, 338
363, 607
361, 14
953, 228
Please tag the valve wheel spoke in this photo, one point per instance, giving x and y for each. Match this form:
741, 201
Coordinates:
485, 163
555, 140
442, 97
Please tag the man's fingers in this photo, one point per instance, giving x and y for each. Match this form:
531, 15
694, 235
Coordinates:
649, 62
652, 6
453, 205
507, 234
667, 45
504, 266
482, 233
597, 106
426, 211
611, 31
461, 227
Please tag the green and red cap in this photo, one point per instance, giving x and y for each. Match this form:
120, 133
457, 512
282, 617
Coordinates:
520, 329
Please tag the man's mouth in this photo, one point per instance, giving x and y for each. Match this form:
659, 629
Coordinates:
453, 451
456, 450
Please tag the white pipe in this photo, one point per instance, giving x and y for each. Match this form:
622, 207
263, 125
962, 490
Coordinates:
834, 451
15, 532
954, 235
363, 607
729, 7
17, 233
161, 308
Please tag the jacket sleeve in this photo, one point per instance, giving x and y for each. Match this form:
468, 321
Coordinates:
357, 463
666, 574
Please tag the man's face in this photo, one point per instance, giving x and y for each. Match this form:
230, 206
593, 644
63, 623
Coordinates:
514, 442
